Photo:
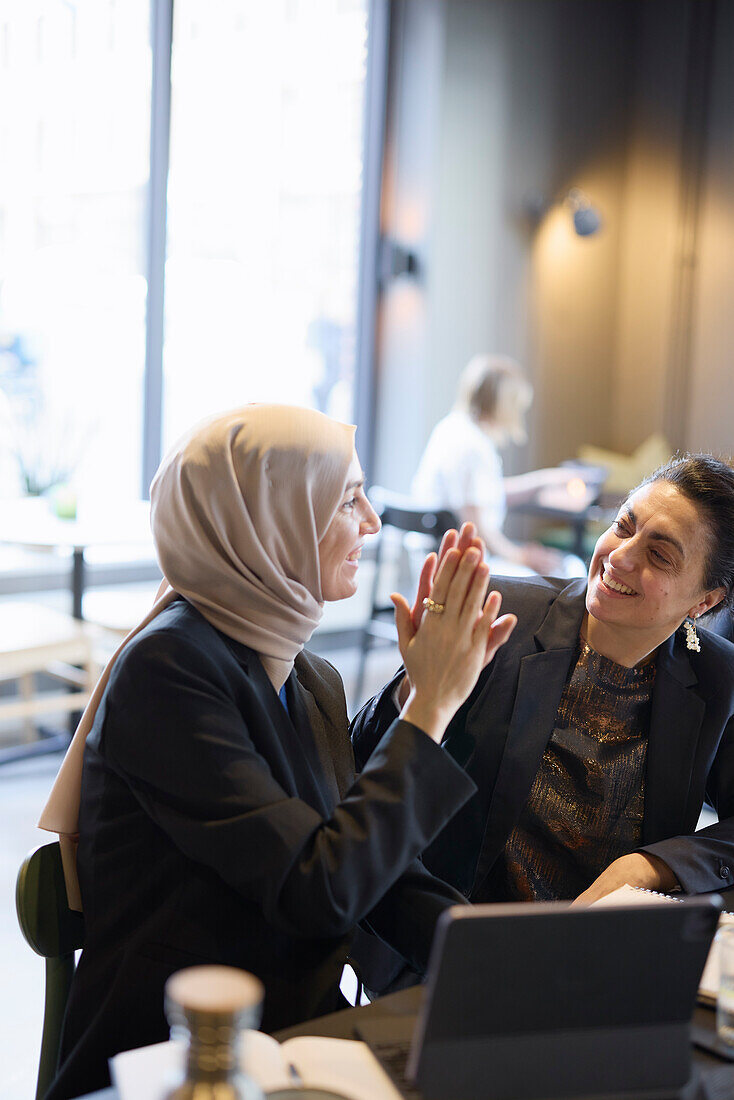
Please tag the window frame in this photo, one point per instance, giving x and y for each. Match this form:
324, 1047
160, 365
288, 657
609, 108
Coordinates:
373, 130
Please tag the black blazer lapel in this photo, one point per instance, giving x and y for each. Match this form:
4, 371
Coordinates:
313, 771
330, 749
539, 689
675, 725
293, 745
540, 684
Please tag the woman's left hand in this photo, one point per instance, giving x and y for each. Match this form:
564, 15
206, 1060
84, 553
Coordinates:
462, 540
637, 869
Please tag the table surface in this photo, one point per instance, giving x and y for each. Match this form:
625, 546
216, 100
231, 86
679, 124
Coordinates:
30, 522
556, 504
341, 1025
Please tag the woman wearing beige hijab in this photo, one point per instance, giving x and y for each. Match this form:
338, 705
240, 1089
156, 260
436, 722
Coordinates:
211, 782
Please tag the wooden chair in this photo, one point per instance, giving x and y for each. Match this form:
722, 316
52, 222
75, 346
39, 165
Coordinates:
55, 932
37, 639
402, 515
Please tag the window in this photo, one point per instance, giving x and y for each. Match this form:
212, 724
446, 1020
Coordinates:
263, 209
74, 125
264, 204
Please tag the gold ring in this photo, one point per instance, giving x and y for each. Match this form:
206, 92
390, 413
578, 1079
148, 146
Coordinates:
432, 606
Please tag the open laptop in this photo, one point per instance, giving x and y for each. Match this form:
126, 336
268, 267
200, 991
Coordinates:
529, 1001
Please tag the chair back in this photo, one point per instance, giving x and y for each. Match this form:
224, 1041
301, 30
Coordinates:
55, 932
404, 515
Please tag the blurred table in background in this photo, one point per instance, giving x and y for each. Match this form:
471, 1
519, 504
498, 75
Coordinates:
577, 505
34, 641
37, 641
30, 523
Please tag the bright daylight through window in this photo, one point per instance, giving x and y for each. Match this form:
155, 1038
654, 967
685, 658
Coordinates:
74, 137
264, 196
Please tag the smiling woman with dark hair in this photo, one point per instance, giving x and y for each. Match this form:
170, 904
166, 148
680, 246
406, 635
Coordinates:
607, 720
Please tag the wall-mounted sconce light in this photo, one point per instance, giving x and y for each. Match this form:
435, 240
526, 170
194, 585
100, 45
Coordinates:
586, 218
395, 260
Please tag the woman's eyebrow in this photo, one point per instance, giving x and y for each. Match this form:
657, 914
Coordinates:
355, 485
658, 536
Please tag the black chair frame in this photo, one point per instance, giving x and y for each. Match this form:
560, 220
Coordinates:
399, 514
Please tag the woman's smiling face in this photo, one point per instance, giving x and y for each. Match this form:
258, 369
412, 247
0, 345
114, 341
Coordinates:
341, 546
648, 569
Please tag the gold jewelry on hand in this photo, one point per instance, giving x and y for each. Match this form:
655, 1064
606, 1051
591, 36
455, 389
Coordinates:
433, 607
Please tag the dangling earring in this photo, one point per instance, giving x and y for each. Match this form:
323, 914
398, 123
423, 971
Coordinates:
692, 639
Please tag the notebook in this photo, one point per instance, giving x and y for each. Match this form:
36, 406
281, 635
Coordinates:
546, 1000
337, 1068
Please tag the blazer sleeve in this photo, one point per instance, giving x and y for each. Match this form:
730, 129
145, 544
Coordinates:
174, 731
704, 860
406, 917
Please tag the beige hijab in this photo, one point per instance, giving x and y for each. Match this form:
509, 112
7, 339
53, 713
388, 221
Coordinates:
238, 509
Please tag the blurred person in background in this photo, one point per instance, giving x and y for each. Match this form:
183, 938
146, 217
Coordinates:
461, 468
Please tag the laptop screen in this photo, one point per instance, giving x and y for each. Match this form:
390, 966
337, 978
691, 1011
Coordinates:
508, 969
548, 1000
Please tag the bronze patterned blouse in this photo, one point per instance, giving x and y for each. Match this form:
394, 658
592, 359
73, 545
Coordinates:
585, 807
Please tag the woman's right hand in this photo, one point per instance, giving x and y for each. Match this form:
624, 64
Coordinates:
445, 654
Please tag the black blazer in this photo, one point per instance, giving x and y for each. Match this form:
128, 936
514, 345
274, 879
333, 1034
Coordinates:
215, 827
500, 734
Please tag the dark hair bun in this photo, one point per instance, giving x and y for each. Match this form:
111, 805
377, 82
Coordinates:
709, 483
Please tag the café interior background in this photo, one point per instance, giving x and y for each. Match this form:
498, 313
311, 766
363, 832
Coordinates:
357, 196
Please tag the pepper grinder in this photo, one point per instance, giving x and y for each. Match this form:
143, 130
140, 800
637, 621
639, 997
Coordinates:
209, 1007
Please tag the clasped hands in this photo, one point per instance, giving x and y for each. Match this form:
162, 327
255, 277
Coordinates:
451, 632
